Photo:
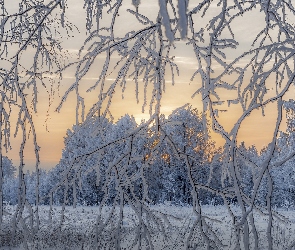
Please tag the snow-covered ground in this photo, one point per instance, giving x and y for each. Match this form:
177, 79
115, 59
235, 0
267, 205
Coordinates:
77, 230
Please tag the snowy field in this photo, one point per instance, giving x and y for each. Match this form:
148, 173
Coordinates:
77, 231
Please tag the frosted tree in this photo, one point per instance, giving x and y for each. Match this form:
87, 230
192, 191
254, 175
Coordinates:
8, 168
146, 57
27, 30
9, 184
283, 161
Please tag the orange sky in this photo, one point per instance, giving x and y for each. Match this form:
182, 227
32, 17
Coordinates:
256, 129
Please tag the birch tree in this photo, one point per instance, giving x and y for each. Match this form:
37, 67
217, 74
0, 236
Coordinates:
27, 30
146, 57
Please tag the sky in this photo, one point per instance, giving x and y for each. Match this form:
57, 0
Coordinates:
51, 126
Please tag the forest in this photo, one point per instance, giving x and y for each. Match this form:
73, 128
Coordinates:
166, 177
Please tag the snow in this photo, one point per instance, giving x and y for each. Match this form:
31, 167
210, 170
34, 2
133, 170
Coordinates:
182, 8
166, 20
77, 229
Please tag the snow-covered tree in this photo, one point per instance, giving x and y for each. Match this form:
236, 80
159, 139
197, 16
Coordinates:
283, 162
9, 170
224, 66
9, 187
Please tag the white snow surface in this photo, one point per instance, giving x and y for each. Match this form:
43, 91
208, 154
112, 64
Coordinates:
79, 223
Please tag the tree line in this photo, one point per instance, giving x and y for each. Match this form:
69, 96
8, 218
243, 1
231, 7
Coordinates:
166, 177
